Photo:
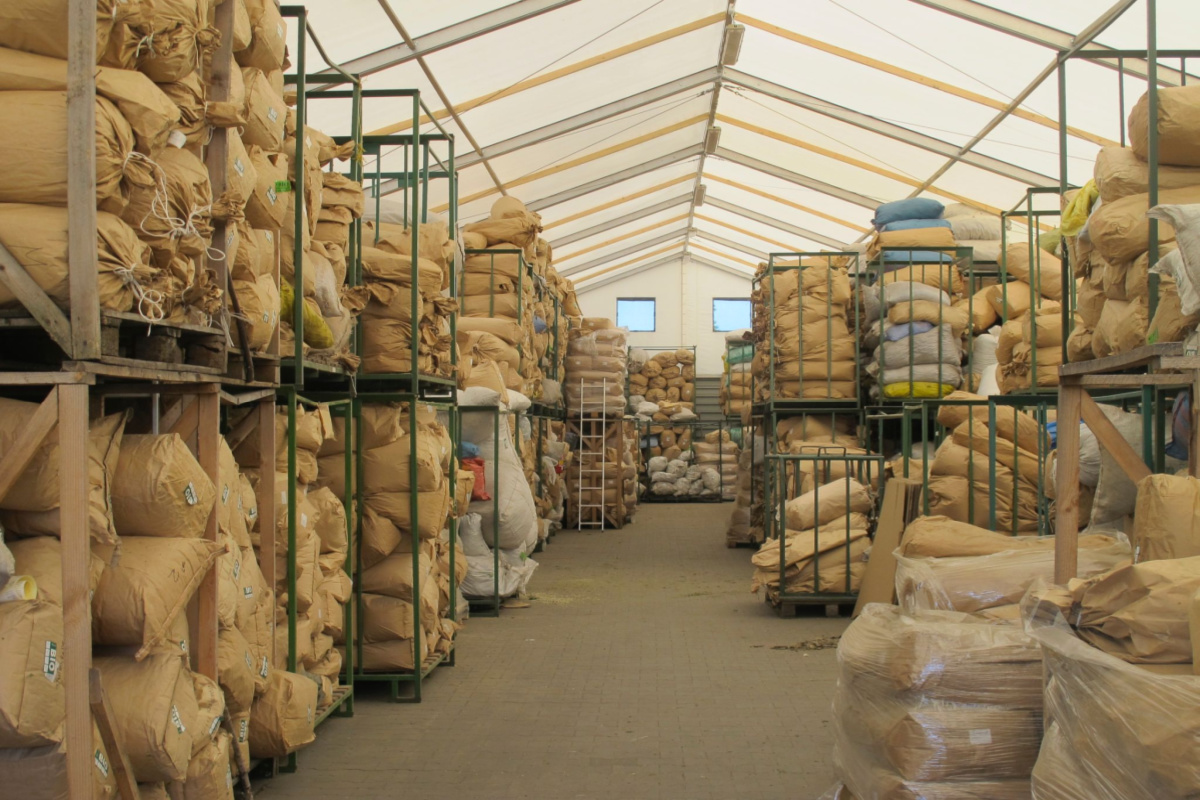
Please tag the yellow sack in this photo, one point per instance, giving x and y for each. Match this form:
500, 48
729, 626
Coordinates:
917, 389
316, 330
1075, 215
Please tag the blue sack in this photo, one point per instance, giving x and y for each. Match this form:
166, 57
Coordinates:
898, 259
908, 208
914, 224
905, 329
468, 450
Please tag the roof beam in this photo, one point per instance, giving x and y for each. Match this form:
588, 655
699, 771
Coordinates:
732, 245
916, 77
449, 36
594, 116
662, 262
576, 162
708, 262
800, 180
634, 260
624, 219
723, 255
892, 131
1098, 26
631, 234
1044, 35
587, 212
778, 224
858, 163
615, 178
562, 72
784, 201
632, 249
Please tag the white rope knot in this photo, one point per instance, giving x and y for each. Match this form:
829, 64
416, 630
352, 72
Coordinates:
149, 301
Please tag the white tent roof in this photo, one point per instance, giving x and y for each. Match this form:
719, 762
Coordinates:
595, 112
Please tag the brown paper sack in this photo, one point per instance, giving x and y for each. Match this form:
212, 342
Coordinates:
147, 585
154, 709
159, 489
31, 690
283, 716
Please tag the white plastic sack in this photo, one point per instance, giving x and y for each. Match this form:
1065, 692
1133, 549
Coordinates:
657, 464
1186, 265
470, 534
518, 515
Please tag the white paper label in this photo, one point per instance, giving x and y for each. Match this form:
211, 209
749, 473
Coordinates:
189, 494
249, 661
102, 763
225, 496
50, 661
177, 720
303, 520
239, 166
278, 30
272, 114
216, 723
980, 736
248, 592
267, 235
177, 139
242, 730
237, 569
271, 194
283, 496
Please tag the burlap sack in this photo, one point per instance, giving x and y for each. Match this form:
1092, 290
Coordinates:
154, 712
1166, 521
235, 668
828, 502
36, 235
1120, 230
1121, 173
159, 489
259, 301
32, 502
174, 212
209, 775
1048, 278
1178, 121
33, 149
265, 111
146, 587
265, 208
283, 716
31, 690
268, 46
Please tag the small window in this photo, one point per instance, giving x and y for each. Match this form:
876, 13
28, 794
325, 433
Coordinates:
635, 313
730, 314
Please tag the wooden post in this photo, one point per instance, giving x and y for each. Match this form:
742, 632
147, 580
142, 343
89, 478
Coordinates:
127, 787
76, 553
1066, 482
266, 494
208, 434
1194, 444
81, 188
217, 152
1111, 440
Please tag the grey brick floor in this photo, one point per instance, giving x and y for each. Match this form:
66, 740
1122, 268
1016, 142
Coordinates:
644, 670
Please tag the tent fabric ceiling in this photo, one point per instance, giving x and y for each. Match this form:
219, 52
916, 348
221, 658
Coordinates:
595, 112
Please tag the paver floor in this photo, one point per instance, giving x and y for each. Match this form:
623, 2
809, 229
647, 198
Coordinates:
644, 670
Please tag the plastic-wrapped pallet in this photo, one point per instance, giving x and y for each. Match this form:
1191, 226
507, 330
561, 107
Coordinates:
936, 705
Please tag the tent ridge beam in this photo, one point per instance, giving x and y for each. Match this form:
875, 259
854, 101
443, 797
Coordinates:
624, 219
632, 249
800, 180
617, 177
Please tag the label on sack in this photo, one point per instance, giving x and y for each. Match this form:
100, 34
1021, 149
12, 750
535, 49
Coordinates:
50, 661
177, 720
248, 592
177, 139
271, 194
189, 494
278, 30
283, 186
980, 736
237, 569
216, 723
228, 779
265, 669
272, 114
254, 512
267, 235
225, 495
242, 729
303, 520
183, 645
239, 167
283, 496
102, 763
249, 661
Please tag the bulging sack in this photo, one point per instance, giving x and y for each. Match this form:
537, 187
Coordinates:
283, 716
32, 704
159, 489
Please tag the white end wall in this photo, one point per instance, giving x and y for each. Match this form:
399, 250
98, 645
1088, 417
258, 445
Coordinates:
683, 292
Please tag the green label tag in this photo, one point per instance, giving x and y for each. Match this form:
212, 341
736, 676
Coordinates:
283, 186
50, 661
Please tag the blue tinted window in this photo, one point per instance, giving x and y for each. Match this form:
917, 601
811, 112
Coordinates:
635, 313
730, 314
